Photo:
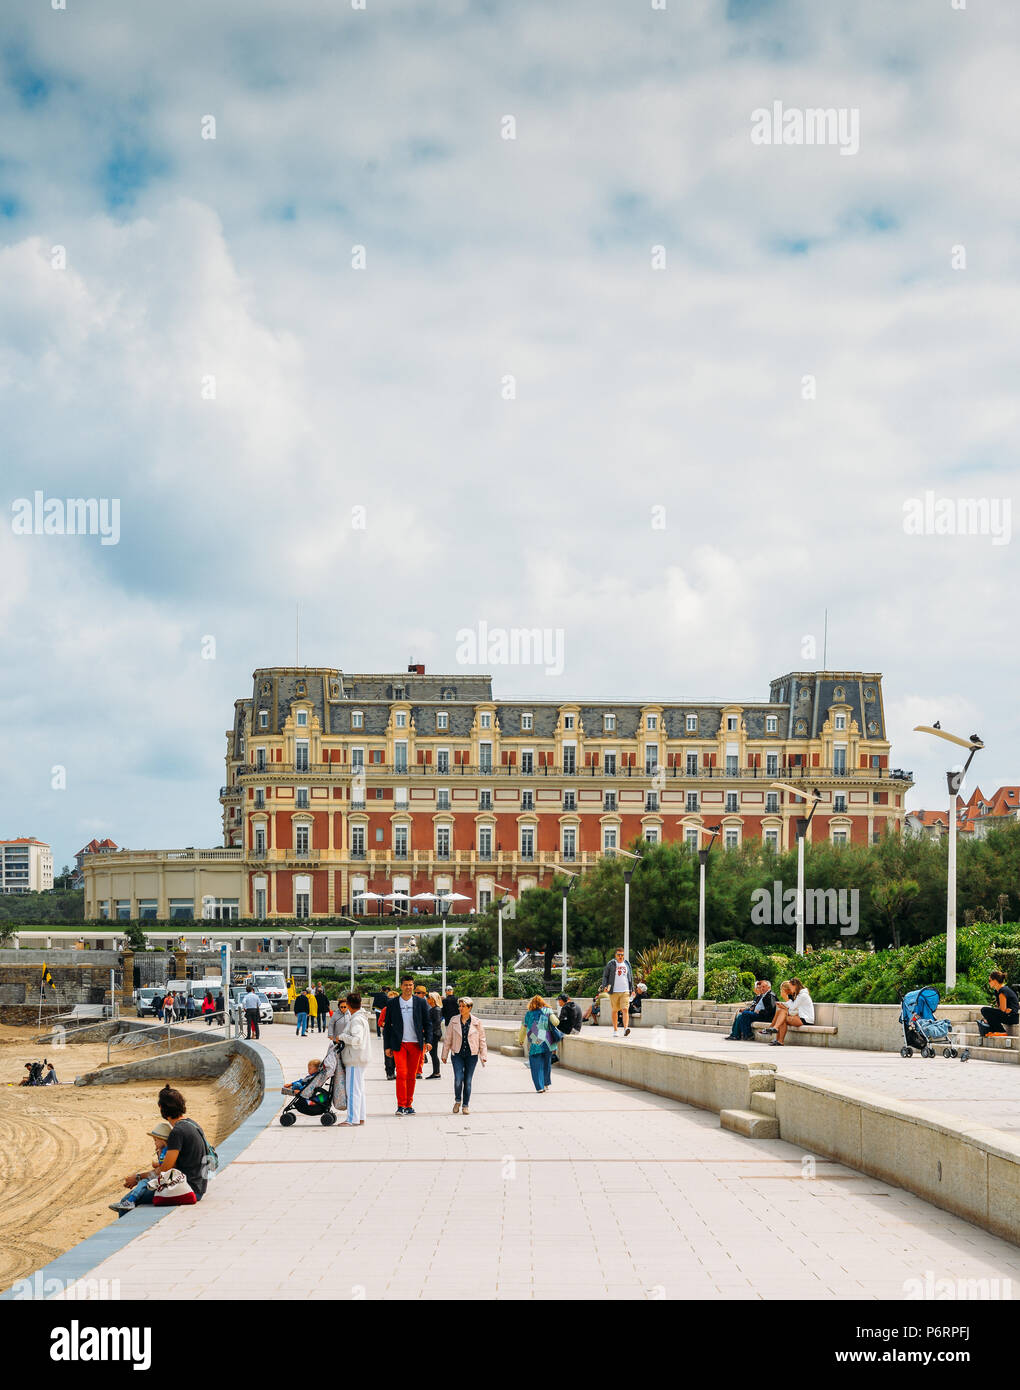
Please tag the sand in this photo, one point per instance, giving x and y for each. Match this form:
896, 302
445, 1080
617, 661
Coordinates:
64, 1150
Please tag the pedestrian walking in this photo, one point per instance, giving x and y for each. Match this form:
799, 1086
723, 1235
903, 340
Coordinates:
356, 1056
407, 1037
388, 1062
464, 1041
435, 1004
189, 1007
450, 1005
220, 1010
250, 1005
421, 993
321, 1008
313, 1008
538, 1033
618, 979
301, 1014
208, 1008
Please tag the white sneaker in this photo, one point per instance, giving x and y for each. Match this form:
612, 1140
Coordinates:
616, 1033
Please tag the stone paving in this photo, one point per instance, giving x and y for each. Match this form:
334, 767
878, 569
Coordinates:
986, 1093
592, 1190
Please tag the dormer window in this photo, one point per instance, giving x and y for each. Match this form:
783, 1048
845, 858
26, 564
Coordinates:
692, 723
609, 723
731, 723
263, 719
302, 719
771, 723
442, 721
840, 722
357, 719
527, 723
398, 692
651, 721
568, 721
486, 721
301, 688
401, 719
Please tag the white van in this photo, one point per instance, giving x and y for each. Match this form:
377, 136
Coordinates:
273, 984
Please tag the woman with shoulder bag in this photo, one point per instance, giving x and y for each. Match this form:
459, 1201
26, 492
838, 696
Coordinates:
538, 1034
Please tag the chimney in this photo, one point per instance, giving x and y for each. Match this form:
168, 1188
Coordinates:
415, 669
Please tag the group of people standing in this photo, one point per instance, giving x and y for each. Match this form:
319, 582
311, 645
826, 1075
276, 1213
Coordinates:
311, 1010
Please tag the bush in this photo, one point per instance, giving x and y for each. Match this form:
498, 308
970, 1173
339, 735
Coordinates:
1007, 959
663, 979
686, 985
725, 987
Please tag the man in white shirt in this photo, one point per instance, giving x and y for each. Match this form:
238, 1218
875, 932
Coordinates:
618, 980
250, 1005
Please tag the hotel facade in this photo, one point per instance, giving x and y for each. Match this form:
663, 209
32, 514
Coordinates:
340, 785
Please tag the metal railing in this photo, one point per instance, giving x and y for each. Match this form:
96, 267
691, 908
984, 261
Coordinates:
626, 770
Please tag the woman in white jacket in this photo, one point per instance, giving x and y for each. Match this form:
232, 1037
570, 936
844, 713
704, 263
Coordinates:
357, 1053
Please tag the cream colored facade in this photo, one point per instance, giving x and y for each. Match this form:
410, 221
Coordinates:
26, 866
157, 884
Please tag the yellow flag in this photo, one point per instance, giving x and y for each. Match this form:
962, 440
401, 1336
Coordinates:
47, 978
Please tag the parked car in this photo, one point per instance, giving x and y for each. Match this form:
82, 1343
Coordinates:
145, 1001
265, 1006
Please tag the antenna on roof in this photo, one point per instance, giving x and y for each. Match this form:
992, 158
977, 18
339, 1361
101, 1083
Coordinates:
297, 634
825, 641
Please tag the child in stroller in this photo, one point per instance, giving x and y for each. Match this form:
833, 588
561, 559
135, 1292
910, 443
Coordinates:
921, 1029
313, 1094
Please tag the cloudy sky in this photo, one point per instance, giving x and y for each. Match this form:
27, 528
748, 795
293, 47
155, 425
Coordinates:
567, 385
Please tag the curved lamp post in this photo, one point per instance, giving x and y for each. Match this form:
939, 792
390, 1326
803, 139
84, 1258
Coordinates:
954, 781
572, 877
628, 874
802, 826
499, 935
702, 866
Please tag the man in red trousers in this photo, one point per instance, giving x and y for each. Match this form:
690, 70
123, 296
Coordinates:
407, 1035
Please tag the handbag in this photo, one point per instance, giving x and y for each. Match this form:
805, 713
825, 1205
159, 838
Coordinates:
172, 1190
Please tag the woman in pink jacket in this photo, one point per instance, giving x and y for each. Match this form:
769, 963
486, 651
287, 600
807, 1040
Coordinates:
464, 1040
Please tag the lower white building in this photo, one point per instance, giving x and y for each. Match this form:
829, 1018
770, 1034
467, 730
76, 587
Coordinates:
26, 866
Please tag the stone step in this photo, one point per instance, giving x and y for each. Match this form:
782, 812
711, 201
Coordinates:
750, 1124
764, 1102
512, 1050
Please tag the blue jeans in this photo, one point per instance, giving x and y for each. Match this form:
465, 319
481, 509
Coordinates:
302, 1025
135, 1195
463, 1071
742, 1026
541, 1068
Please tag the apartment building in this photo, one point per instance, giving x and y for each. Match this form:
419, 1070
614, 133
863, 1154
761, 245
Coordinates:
26, 866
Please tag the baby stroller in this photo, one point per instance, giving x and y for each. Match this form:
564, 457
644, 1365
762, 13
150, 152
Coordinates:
921, 1029
316, 1096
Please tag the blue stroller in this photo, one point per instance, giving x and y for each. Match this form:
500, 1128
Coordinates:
922, 1030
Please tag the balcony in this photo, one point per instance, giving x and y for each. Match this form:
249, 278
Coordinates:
345, 771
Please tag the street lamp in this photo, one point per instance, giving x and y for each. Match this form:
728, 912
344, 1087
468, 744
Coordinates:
499, 938
572, 876
954, 781
628, 874
702, 866
802, 825
444, 904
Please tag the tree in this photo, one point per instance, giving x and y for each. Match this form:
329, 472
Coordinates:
893, 899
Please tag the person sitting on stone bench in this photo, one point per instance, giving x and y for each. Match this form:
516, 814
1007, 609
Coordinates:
1005, 1011
761, 1011
794, 1010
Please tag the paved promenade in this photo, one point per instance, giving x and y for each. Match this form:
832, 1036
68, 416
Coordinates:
592, 1190
986, 1093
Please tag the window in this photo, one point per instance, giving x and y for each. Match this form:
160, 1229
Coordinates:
398, 692
442, 799
400, 797
731, 801
357, 719
301, 755
692, 801
442, 721
378, 793
401, 836
527, 723
357, 758
148, 908
485, 841
651, 757
691, 837
527, 842
357, 841
651, 835
301, 904
731, 764
301, 839
527, 761
260, 760
484, 899
443, 841
400, 756
260, 798
731, 839
302, 798
569, 759
691, 764
302, 719
839, 758
692, 723
609, 764
260, 839
263, 719
123, 909
771, 803
772, 840
771, 724
485, 757
609, 723
180, 908
569, 801
486, 721
651, 721
401, 719
569, 842
485, 801
839, 801
731, 723
443, 760
772, 764
527, 801
840, 721
609, 837
651, 801
839, 837
568, 721
609, 801
260, 902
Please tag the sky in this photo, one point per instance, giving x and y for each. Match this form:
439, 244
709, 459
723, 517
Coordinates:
496, 312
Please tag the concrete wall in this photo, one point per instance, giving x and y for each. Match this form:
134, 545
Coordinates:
80, 977
973, 1172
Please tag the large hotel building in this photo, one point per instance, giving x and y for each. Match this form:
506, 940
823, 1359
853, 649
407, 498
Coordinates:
337, 785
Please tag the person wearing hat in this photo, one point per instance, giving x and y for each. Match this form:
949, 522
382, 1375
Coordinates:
139, 1181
